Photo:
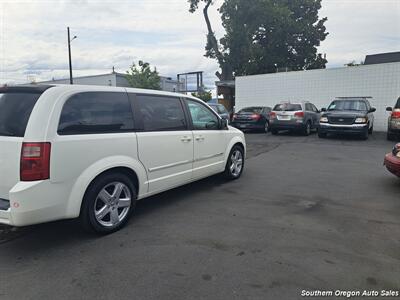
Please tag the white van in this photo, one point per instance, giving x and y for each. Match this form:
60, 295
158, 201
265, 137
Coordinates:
90, 152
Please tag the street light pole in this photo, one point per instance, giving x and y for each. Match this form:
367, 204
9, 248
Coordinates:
71, 81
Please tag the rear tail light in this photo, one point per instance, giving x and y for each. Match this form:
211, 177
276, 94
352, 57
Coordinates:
299, 114
272, 115
255, 116
396, 114
35, 161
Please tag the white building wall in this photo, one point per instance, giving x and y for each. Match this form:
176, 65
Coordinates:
103, 80
381, 81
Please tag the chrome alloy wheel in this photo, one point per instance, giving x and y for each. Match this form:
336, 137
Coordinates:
112, 204
236, 163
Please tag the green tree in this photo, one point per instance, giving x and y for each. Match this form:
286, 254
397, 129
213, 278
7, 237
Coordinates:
262, 35
203, 95
143, 77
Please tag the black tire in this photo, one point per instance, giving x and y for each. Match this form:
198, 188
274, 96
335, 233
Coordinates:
322, 135
390, 136
229, 173
266, 127
87, 215
274, 132
307, 129
365, 135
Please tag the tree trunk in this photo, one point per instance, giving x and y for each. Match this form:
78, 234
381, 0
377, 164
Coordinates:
226, 70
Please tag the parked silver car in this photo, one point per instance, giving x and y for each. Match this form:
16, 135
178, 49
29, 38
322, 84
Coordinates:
300, 116
394, 122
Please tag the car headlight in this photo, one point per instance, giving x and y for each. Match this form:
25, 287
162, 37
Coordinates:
361, 120
323, 120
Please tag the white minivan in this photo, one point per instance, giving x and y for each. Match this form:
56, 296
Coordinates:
91, 152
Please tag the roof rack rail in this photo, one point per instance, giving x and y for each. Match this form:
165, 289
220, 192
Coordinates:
369, 97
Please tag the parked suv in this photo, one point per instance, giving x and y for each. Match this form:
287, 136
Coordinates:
91, 152
300, 116
348, 115
252, 118
394, 121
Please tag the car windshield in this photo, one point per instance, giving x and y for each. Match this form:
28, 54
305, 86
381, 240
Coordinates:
252, 110
15, 110
287, 107
358, 105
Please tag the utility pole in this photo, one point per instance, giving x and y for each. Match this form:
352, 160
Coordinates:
71, 81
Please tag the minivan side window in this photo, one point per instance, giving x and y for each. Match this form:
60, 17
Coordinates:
96, 113
161, 113
202, 117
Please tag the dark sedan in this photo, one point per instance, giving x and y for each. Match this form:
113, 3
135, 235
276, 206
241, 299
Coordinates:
252, 118
392, 161
347, 116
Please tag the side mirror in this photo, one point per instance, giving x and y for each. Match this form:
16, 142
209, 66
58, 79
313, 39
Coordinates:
224, 124
323, 109
373, 109
389, 108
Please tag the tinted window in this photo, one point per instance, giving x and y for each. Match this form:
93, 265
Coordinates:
160, 113
314, 108
358, 105
266, 110
15, 110
309, 107
96, 112
287, 107
397, 104
202, 117
252, 110
214, 107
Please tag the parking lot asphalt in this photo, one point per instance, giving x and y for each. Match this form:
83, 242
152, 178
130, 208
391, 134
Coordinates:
307, 214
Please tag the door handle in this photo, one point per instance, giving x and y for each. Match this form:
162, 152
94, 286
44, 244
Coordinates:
186, 139
199, 138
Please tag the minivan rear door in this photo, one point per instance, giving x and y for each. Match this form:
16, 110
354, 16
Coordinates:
16, 105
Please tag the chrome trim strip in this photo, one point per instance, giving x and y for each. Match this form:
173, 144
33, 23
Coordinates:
169, 166
208, 157
338, 125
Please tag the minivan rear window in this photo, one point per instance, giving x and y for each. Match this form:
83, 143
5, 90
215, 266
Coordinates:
96, 113
287, 107
15, 110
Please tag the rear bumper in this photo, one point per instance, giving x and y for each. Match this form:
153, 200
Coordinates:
395, 131
392, 163
33, 203
247, 125
348, 129
287, 125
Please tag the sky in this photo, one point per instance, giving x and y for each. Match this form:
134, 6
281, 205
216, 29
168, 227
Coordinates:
33, 36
